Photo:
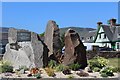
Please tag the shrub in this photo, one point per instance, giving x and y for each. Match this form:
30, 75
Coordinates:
34, 70
38, 75
23, 67
74, 67
52, 64
107, 70
96, 69
60, 67
70, 76
104, 75
50, 72
99, 62
5, 67
116, 69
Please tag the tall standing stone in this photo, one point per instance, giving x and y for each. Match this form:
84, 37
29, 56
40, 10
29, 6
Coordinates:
25, 48
75, 51
52, 39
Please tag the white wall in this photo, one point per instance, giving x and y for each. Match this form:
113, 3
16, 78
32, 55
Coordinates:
89, 45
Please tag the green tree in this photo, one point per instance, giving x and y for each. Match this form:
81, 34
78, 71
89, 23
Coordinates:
62, 38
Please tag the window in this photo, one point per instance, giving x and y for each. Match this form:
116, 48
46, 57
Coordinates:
99, 35
82, 38
104, 36
90, 37
118, 46
118, 35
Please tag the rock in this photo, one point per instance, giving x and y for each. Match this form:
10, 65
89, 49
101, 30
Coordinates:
81, 73
8, 74
66, 71
74, 49
25, 48
52, 40
29, 75
87, 69
22, 71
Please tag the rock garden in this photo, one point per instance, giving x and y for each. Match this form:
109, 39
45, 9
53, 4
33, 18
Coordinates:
27, 56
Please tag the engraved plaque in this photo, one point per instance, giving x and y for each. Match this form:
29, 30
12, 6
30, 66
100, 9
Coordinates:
23, 36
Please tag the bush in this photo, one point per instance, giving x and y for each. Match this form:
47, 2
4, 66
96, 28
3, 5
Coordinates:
5, 67
96, 69
60, 67
52, 64
116, 69
50, 72
107, 71
99, 62
104, 75
74, 67
38, 75
70, 76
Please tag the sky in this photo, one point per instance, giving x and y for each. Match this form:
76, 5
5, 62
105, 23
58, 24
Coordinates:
34, 16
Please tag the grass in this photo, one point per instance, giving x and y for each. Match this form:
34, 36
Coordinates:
115, 62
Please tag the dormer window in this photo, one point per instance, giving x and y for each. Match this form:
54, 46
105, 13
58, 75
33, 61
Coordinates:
100, 36
118, 35
104, 36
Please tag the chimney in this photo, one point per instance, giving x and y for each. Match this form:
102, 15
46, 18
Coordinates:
112, 22
99, 23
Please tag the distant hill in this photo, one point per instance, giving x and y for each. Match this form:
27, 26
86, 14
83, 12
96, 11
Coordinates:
79, 30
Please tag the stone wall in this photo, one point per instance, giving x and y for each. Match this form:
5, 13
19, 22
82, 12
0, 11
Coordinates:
106, 54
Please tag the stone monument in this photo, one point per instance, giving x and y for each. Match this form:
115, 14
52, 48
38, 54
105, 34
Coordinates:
25, 48
52, 40
75, 51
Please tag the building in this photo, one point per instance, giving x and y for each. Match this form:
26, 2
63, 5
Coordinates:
3, 38
108, 35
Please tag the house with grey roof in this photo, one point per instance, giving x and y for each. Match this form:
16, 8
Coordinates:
108, 35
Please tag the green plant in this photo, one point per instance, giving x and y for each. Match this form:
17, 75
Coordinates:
70, 76
38, 75
104, 75
60, 67
116, 69
96, 69
99, 62
62, 39
52, 64
74, 66
50, 72
107, 70
5, 67
23, 67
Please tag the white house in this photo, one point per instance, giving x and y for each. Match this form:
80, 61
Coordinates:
108, 35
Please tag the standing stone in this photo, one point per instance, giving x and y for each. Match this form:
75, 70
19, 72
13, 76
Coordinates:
25, 49
52, 39
75, 51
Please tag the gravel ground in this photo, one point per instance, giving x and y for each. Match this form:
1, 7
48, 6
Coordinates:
60, 75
